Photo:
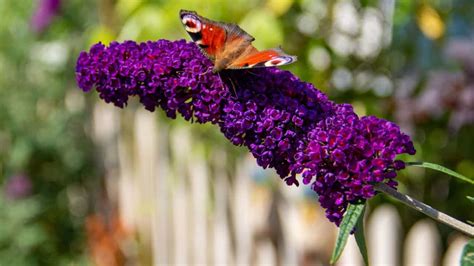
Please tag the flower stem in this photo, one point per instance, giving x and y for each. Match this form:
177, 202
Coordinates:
426, 209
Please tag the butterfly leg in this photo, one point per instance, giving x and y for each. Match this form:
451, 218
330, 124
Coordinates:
249, 71
205, 73
233, 92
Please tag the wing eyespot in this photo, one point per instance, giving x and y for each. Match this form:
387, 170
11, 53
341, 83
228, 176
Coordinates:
191, 23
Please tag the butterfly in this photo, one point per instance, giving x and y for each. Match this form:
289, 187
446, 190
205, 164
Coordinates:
229, 46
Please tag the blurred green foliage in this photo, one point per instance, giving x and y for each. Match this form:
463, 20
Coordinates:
42, 136
45, 119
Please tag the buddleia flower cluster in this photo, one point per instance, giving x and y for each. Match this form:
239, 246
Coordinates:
286, 124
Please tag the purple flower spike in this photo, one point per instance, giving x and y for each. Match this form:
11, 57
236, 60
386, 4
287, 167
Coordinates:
285, 123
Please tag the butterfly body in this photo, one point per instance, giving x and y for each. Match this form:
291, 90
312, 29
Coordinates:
229, 46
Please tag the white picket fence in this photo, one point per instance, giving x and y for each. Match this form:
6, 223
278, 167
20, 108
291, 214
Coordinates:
188, 208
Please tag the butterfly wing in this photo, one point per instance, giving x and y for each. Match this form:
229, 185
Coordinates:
213, 37
268, 58
228, 45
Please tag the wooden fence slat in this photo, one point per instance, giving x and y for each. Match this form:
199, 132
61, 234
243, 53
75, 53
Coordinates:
383, 233
422, 244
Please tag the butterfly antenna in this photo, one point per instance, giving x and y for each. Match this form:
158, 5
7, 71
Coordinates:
233, 87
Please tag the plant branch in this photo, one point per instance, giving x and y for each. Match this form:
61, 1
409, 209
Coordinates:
426, 209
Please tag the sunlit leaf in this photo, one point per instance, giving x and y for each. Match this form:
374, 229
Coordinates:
470, 198
348, 223
360, 238
443, 169
467, 257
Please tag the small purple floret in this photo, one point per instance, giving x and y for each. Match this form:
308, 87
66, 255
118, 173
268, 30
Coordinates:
286, 124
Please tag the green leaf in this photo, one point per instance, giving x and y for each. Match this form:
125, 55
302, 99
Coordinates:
470, 198
443, 169
467, 257
360, 237
349, 221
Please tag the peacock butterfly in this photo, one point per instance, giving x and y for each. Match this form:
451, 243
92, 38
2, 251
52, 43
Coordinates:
229, 46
